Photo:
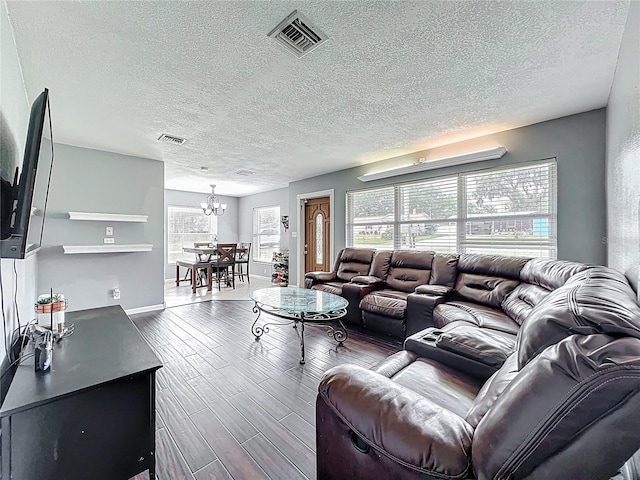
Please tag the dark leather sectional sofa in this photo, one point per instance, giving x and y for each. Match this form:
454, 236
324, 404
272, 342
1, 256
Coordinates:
521, 369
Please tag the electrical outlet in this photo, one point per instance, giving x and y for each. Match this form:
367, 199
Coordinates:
265, 271
116, 293
109, 240
109, 231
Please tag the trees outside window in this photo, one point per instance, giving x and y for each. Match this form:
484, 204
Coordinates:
266, 233
185, 226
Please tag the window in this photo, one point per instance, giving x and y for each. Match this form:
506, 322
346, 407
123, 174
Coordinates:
187, 225
508, 211
266, 233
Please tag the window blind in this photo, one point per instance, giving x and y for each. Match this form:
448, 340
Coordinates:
510, 211
266, 233
427, 215
187, 225
371, 218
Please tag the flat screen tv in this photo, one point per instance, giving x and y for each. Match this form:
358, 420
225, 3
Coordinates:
23, 198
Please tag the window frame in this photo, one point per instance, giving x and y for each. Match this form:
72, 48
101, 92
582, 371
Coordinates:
462, 219
256, 246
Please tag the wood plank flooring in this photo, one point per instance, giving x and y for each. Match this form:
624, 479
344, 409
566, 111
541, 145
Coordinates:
231, 407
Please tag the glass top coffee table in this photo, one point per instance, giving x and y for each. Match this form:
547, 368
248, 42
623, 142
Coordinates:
299, 306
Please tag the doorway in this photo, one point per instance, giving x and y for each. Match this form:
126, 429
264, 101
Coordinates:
317, 215
302, 235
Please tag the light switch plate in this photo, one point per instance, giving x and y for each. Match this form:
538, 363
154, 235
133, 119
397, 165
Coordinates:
109, 240
294, 234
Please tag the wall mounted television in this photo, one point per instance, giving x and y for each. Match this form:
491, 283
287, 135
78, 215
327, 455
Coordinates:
23, 198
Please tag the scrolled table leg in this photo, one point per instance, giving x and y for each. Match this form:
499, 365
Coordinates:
339, 336
255, 329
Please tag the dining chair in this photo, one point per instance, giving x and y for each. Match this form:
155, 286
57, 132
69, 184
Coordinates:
199, 274
242, 258
225, 260
202, 272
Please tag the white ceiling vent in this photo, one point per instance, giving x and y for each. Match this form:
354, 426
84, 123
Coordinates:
244, 173
171, 139
297, 34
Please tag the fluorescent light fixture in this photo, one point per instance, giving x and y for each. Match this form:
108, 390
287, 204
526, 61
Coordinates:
460, 159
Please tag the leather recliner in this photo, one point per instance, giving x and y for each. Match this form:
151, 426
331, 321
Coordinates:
564, 405
350, 263
384, 309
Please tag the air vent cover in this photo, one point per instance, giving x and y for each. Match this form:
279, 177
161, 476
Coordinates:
171, 139
244, 173
297, 34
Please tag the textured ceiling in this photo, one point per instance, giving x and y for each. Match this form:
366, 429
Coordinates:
394, 77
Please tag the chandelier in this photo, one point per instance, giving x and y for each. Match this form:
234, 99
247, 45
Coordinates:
213, 205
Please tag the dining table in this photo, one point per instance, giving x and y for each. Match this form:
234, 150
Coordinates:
206, 255
203, 254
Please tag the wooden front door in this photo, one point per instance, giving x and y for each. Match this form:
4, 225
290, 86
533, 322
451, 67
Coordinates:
316, 236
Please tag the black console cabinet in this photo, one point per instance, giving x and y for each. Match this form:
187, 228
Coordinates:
91, 416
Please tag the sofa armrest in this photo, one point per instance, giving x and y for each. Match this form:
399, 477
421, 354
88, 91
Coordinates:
312, 278
490, 347
464, 347
433, 290
420, 306
397, 422
366, 280
354, 292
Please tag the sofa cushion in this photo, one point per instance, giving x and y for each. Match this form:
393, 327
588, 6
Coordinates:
539, 277
389, 303
596, 300
444, 386
484, 289
492, 265
353, 262
548, 273
380, 263
330, 287
408, 269
521, 301
480, 315
444, 269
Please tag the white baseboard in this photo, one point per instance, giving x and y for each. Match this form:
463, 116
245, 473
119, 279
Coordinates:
148, 308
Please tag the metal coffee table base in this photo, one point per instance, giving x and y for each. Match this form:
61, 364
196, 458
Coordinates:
301, 318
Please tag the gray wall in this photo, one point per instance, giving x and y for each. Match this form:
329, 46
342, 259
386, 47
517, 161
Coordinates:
14, 120
578, 143
623, 155
273, 198
95, 181
227, 223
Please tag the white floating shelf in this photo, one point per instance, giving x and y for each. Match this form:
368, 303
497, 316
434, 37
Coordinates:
108, 217
139, 247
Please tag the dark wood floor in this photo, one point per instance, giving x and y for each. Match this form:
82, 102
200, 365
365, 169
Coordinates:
232, 407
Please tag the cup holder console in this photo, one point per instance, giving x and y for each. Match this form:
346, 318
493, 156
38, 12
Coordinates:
432, 336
